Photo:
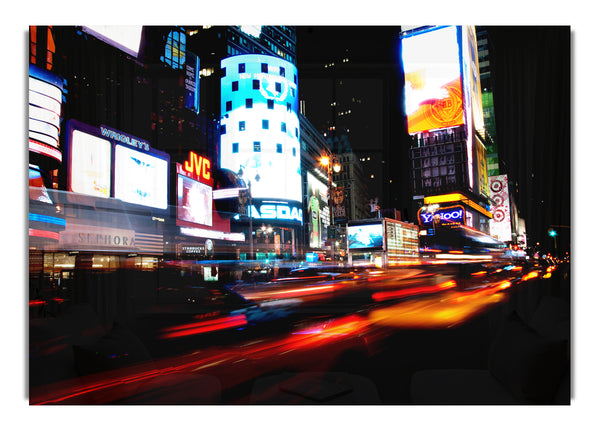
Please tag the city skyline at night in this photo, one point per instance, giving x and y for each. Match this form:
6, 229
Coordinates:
223, 213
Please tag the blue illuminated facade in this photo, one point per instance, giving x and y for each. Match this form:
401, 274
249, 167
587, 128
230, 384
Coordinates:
260, 132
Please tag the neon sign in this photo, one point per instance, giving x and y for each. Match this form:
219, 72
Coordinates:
276, 211
451, 214
124, 138
198, 166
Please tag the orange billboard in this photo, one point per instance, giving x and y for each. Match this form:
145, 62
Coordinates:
433, 86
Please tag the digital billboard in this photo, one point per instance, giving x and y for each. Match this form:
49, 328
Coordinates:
127, 38
471, 76
141, 178
432, 68
105, 162
194, 197
367, 236
90, 164
318, 211
260, 128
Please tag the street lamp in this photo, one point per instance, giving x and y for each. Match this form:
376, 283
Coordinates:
332, 166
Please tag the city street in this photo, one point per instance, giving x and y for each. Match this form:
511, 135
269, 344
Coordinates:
367, 356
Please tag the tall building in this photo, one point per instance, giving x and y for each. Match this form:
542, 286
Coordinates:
485, 52
315, 184
445, 121
350, 179
506, 223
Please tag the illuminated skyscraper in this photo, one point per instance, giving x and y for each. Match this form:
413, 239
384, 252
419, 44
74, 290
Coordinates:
445, 119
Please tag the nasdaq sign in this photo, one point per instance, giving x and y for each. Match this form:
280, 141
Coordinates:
284, 212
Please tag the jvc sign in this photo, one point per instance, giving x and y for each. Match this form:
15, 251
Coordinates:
454, 214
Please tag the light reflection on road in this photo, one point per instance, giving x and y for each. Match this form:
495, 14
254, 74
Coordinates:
445, 310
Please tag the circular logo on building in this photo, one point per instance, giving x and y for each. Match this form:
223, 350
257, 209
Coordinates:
449, 110
209, 245
496, 186
498, 200
499, 215
273, 87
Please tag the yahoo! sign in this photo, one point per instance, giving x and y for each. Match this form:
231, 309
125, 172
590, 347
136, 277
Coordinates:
451, 214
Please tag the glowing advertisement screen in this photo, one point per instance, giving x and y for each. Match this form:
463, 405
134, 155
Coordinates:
260, 125
472, 76
365, 236
90, 162
194, 201
318, 211
141, 178
434, 97
45, 102
127, 38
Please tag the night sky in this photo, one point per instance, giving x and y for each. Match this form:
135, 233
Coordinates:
532, 96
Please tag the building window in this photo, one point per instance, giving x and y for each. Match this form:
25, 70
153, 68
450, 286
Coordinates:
279, 148
294, 152
235, 86
242, 125
255, 84
241, 67
228, 105
282, 71
295, 79
289, 107
223, 129
270, 104
278, 87
283, 127
248, 103
265, 124
296, 132
256, 147
223, 72
235, 147
264, 68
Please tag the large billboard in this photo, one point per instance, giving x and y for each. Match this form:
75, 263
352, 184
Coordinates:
90, 162
260, 129
104, 162
318, 211
366, 236
127, 38
500, 225
432, 68
194, 197
141, 178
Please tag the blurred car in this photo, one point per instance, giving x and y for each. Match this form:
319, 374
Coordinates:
181, 319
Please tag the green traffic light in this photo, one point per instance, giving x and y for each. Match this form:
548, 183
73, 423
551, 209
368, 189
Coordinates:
552, 232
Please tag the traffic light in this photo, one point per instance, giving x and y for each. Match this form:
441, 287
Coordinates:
552, 232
